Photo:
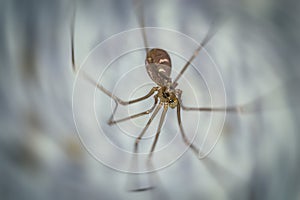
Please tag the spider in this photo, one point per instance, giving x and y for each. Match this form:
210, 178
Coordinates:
166, 94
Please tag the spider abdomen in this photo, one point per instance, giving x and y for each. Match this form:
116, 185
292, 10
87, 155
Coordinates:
158, 65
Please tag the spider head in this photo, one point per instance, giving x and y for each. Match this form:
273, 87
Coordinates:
173, 102
168, 96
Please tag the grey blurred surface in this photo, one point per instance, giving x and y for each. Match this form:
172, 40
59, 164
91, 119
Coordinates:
257, 50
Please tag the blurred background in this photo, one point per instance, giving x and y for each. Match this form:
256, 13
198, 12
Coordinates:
256, 50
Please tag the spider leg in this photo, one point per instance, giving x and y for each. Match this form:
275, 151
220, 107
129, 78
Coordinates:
184, 137
134, 161
210, 164
137, 140
215, 109
99, 86
237, 109
149, 163
161, 121
210, 33
141, 20
114, 97
111, 121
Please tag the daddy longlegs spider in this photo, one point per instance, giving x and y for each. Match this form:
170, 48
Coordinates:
166, 94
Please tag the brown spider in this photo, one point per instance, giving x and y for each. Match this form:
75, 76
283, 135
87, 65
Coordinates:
158, 65
166, 94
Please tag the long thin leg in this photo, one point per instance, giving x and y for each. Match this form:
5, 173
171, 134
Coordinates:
111, 121
100, 87
187, 142
211, 164
185, 139
238, 109
211, 32
137, 140
161, 121
141, 19
216, 109
72, 28
149, 164
117, 99
135, 157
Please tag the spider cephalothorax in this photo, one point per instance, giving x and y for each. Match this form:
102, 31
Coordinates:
167, 96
